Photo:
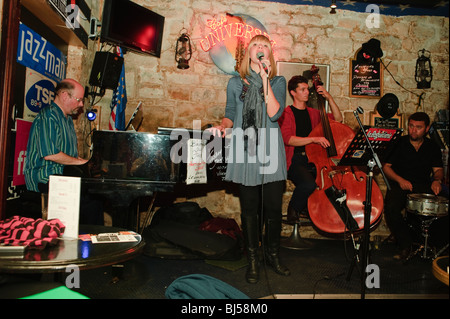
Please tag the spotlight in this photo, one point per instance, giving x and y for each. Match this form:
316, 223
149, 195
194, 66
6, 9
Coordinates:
91, 115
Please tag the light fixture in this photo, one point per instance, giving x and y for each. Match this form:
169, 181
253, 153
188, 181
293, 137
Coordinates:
424, 71
91, 114
370, 52
183, 51
333, 7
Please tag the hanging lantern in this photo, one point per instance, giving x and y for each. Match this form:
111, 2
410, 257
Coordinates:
183, 51
424, 71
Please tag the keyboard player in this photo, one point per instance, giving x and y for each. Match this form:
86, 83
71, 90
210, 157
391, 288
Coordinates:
52, 145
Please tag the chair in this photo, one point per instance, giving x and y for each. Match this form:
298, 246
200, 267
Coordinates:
295, 241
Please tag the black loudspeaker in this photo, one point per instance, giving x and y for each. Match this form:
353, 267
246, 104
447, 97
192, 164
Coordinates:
106, 70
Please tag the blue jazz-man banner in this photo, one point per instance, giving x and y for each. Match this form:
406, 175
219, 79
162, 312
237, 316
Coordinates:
37, 53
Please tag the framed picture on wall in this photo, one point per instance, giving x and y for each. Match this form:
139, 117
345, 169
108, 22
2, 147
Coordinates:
395, 121
289, 69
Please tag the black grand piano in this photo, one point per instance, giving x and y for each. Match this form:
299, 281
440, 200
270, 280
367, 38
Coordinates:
125, 166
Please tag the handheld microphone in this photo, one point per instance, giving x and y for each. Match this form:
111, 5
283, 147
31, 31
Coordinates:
260, 55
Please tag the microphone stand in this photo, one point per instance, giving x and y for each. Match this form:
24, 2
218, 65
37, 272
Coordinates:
368, 202
375, 156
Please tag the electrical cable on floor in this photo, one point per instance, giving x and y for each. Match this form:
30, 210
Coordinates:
322, 279
355, 246
316, 283
266, 276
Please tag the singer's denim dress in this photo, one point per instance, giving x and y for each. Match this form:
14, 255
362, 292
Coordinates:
268, 164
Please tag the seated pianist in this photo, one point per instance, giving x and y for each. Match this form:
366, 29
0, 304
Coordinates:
414, 165
52, 144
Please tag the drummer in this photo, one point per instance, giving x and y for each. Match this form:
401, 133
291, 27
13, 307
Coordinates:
413, 166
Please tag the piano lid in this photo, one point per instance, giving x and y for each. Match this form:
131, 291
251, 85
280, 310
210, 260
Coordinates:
121, 155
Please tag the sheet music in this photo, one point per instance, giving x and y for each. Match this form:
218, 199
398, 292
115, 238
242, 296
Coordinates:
196, 165
358, 152
120, 237
64, 202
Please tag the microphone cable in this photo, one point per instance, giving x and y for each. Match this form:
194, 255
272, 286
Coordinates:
263, 224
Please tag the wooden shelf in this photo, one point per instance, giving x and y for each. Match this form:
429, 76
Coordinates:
48, 15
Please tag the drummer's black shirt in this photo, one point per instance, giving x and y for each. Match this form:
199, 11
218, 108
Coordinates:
414, 166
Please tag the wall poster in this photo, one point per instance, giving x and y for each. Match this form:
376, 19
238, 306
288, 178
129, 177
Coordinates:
366, 79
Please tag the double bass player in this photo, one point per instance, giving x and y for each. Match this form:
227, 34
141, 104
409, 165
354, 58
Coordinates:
296, 123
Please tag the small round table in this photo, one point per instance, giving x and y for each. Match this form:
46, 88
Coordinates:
74, 252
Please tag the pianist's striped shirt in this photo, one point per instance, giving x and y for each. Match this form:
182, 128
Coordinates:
51, 132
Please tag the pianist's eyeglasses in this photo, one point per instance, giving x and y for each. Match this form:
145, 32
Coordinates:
76, 98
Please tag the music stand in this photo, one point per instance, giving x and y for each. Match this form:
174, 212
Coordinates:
361, 152
130, 122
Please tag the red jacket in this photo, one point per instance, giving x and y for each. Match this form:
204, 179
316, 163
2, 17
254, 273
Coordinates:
289, 128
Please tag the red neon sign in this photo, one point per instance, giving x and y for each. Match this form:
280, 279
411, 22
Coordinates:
224, 30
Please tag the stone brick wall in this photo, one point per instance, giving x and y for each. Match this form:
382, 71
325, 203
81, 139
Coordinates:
174, 98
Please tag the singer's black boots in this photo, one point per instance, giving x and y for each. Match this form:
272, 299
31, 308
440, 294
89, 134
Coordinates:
272, 247
250, 227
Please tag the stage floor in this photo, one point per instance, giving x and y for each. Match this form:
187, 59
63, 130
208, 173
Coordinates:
320, 272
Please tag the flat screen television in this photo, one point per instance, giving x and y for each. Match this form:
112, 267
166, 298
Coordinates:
132, 26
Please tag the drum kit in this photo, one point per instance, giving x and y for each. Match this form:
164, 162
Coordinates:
427, 209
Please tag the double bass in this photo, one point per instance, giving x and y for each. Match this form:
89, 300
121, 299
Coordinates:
337, 205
